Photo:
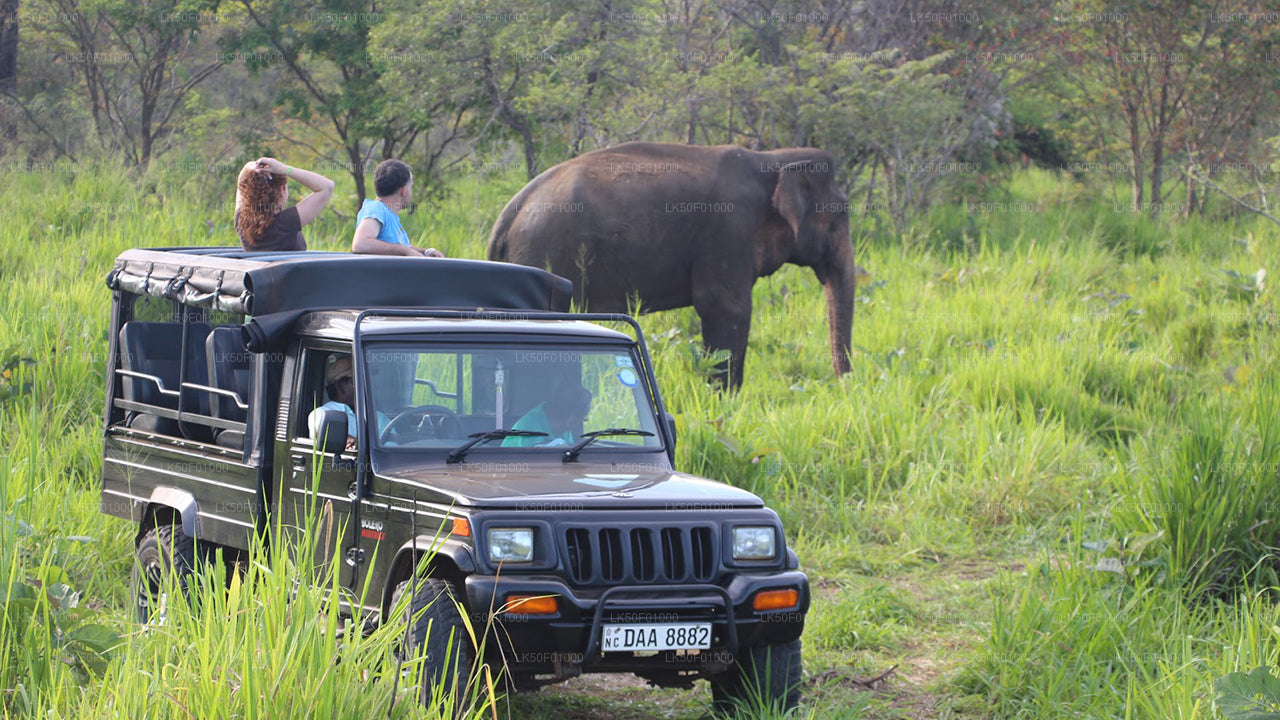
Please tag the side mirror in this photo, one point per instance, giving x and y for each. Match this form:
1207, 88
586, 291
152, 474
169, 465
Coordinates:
331, 432
670, 421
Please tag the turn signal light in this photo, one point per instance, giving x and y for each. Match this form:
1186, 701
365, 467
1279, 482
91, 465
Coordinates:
532, 605
777, 599
461, 527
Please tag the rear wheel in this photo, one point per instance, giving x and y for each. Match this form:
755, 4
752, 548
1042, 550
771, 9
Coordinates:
765, 677
438, 636
165, 560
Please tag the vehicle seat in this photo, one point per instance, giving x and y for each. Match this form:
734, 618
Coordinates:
229, 369
155, 349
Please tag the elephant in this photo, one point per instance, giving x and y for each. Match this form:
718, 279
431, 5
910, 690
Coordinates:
673, 225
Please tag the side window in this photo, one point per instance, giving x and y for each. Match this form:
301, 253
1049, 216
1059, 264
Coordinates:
155, 310
222, 317
326, 381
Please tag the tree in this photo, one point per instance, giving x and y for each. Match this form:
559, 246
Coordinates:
324, 44
8, 45
483, 55
132, 59
1162, 80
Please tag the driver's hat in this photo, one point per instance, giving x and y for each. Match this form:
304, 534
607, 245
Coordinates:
338, 369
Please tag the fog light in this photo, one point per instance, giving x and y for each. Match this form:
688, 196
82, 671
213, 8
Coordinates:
532, 605
776, 599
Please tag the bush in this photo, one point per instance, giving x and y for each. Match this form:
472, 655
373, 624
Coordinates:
1215, 498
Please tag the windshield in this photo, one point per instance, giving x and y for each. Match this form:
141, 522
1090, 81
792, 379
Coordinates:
439, 396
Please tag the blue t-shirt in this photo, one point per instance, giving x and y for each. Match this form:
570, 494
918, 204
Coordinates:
536, 421
389, 230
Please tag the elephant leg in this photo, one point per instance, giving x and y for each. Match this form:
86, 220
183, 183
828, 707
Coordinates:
726, 323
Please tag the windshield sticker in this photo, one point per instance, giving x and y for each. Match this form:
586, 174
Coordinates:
627, 377
622, 361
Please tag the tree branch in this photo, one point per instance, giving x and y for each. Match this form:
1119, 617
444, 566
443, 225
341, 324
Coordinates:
1209, 183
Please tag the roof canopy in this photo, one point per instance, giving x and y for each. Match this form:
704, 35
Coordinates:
256, 283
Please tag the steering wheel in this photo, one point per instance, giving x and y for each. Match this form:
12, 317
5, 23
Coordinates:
423, 413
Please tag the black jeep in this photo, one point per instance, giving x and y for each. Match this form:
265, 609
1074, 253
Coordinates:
469, 440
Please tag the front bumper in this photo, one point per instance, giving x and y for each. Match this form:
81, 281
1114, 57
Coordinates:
568, 642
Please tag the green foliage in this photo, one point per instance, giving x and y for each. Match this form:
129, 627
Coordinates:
1248, 696
334, 89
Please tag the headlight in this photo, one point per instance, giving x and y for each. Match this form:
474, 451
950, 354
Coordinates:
753, 543
510, 545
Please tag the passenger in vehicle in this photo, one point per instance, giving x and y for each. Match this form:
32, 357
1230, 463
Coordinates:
378, 227
559, 416
339, 384
262, 221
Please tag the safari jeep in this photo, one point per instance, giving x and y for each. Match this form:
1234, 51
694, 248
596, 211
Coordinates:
472, 444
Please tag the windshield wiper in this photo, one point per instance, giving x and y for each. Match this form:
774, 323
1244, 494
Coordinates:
571, 455
459, 452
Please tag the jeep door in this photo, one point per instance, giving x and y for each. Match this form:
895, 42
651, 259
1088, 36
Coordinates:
317, 498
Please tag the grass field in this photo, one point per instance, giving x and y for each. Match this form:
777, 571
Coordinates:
1048, 488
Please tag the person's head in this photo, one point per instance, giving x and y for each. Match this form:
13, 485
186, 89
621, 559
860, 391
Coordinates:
262, 196
568, 406
339, 381
393, 179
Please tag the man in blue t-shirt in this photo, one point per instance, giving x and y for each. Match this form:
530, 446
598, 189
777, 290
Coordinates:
378, 228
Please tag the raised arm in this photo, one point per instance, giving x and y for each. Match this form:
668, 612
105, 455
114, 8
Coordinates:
320, 186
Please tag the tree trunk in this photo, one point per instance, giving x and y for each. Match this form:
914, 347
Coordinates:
356, 169
530, 156
8, 46
1157, 148
145, 134
1135, 154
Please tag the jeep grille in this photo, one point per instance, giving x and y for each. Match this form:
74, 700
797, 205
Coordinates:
644, 555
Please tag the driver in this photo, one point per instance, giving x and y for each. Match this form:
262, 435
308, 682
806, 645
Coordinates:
339, 384
559, 417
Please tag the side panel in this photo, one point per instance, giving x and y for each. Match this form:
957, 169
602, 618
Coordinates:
392, 519
137, 468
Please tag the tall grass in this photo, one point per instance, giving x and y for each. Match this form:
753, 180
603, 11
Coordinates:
1023, 383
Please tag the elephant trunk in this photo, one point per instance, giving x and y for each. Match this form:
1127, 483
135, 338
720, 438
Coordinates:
840, 279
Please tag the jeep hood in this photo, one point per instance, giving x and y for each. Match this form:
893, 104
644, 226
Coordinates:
572, 484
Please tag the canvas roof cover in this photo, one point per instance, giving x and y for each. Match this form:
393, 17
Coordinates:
255, 283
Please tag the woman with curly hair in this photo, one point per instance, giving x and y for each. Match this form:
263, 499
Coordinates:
262, 220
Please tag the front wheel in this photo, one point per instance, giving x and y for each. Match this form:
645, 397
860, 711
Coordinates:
764, 678
165, 560
438, 636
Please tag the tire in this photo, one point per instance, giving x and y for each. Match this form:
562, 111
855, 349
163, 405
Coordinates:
438, 636
764, 678
165, 557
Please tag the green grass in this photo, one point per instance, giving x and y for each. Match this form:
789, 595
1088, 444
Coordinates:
1006, 497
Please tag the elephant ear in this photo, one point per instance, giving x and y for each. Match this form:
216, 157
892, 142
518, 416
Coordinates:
791, 197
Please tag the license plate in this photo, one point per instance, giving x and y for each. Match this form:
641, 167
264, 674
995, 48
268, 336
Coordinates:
674, 636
